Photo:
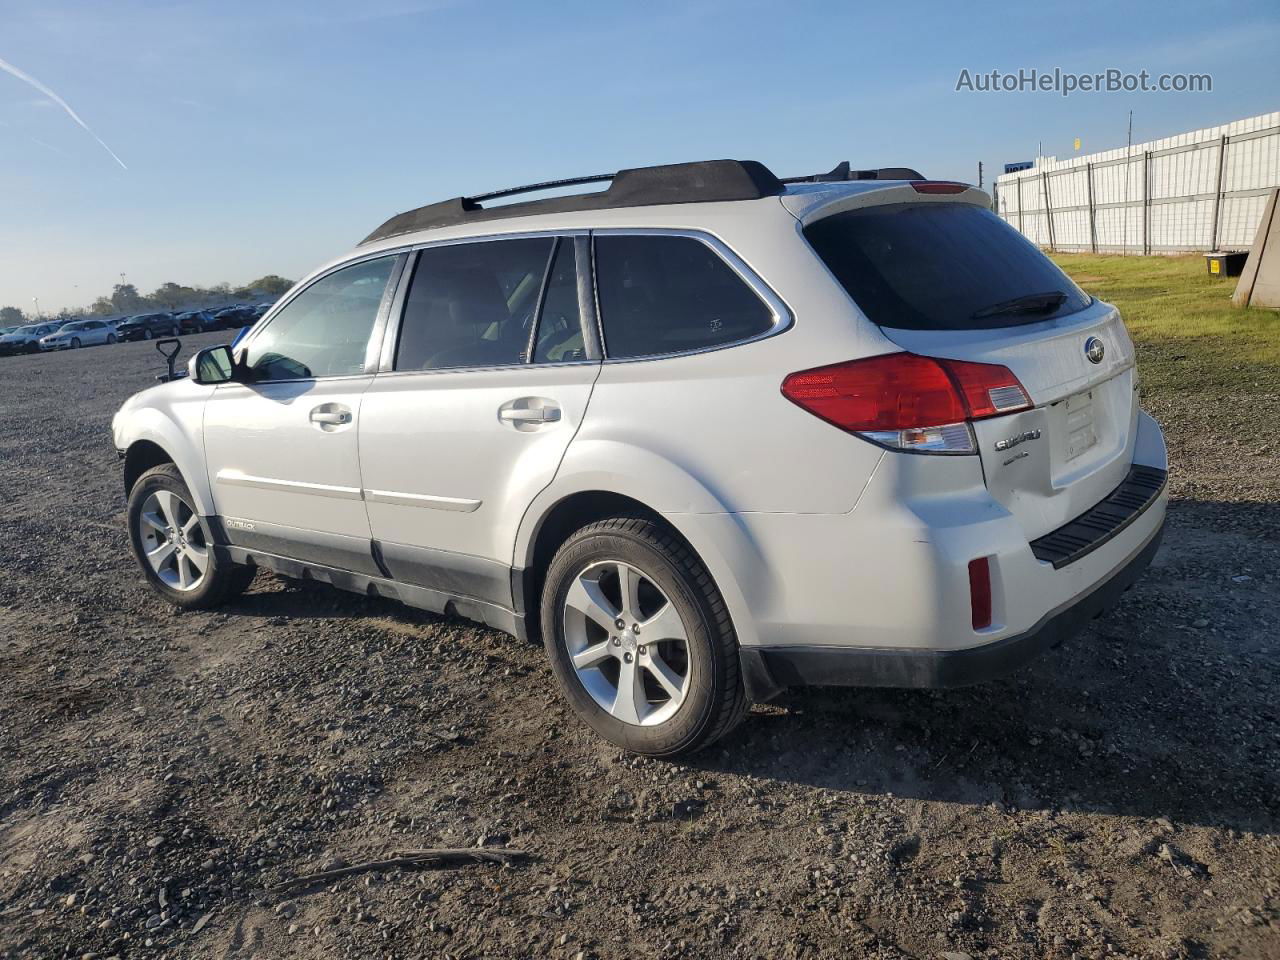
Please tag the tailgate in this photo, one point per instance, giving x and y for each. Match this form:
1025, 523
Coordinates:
1048, 465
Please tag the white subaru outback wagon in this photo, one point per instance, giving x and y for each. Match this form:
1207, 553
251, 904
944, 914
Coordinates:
706, 432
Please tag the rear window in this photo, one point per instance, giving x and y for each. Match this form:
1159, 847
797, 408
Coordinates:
941, 266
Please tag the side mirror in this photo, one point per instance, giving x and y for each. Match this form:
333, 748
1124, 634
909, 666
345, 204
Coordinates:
214, 365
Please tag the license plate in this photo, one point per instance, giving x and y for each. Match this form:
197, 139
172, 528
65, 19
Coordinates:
1081, 435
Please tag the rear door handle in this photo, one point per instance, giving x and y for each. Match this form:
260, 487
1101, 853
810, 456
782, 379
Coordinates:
540, 415
528, 412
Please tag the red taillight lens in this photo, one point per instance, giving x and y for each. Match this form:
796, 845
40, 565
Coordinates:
891, 392
988, 388
938, 186
900, 391
980, 592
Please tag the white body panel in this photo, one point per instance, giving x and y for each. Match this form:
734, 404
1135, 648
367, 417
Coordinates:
268, 462
442, 470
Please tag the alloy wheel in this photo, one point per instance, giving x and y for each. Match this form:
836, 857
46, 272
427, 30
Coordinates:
627, 643
173, 540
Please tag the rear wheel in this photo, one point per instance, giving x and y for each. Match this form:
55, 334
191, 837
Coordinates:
173, 546
176, 331
640, 640
146, 333
111, 338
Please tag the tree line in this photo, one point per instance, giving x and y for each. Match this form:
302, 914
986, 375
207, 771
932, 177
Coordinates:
125, 298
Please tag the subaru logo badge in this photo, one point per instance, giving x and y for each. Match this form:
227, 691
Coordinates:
1094, 349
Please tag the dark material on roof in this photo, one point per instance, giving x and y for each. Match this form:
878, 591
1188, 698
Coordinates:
703, 181
841, 172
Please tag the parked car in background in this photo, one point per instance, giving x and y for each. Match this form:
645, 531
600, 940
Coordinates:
260, 309
78, 333
8, 330
26, 339
148, 326
197, 321
235, 316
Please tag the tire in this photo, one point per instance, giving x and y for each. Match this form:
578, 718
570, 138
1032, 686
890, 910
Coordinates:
111, 338
712, 699
146, 333
75, 343
175, 332
162, 495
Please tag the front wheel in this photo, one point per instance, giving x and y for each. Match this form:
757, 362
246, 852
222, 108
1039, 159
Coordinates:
75, 343
111, 338
146, 334
173, 546
640, 640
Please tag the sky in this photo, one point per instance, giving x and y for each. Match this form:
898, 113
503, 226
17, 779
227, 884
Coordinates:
225, 140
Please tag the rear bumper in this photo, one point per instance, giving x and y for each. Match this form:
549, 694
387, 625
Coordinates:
769, 669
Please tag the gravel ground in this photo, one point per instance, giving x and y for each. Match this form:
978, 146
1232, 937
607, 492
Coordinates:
160, 771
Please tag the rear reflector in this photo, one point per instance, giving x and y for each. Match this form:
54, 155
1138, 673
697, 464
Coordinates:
980, 592
906, 401
938, 186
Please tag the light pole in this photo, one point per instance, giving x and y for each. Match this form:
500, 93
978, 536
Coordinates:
36, 301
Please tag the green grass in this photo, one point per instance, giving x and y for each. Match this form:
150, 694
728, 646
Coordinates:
1190, 338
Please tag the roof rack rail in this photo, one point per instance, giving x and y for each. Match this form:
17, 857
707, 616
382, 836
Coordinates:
702, 181
842, 172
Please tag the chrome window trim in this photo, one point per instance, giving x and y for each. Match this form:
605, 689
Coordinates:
783, 318
379, 325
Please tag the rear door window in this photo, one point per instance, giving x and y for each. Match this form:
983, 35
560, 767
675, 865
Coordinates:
559, 338
472, 304
941, 266
670, 294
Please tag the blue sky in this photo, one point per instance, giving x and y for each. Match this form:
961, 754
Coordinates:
267, 137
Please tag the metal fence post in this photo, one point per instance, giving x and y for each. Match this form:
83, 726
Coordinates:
1048, 209
1217, 196
1020, 230
1093, 227
1146, 201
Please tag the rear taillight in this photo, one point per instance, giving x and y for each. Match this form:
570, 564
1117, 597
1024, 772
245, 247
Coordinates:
908, 402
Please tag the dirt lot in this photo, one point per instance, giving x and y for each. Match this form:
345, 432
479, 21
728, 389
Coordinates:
160, 771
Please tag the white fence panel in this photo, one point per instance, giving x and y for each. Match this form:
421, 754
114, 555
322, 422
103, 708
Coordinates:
1202, 190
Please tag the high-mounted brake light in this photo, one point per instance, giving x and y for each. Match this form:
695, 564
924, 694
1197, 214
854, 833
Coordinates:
908, 402
938, 186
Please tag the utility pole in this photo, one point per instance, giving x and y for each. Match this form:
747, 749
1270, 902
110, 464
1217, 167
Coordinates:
979, 174
36, 301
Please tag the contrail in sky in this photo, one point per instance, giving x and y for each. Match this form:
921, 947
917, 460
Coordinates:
27, 78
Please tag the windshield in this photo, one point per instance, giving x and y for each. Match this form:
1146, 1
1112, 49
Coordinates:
941, 266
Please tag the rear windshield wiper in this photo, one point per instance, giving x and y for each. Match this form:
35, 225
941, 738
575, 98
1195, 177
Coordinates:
1029, 303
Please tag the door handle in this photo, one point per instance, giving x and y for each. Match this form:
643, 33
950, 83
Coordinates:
330, 416
529, 414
